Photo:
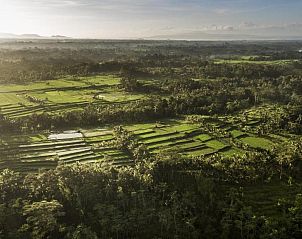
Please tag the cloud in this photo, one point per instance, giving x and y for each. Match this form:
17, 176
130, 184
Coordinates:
245, 25
167, 28
222, 11
293, 26
218, 28
228, 28
248, 26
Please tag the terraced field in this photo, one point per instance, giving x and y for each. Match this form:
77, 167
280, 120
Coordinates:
174, 136
45, 150
61, 95
29, 153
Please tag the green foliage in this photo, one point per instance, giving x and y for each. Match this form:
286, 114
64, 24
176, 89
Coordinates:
82, 231
151, 200
126, 141
42, 219
238, 220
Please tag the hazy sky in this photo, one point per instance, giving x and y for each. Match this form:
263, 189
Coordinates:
143, 18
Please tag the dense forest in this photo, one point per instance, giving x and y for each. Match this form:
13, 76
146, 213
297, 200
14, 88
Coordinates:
167, 197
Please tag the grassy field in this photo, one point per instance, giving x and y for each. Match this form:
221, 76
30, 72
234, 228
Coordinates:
257, 142
61, 95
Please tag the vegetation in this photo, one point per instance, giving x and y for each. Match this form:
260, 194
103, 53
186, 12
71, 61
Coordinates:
150, 139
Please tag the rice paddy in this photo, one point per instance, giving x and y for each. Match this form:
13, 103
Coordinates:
61, 95
47, 150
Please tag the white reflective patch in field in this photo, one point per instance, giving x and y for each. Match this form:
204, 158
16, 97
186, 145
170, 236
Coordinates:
66, 135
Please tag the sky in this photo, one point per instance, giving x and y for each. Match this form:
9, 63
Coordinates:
149, 18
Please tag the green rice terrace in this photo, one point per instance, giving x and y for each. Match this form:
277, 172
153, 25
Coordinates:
225, 135
31, 152
61, 95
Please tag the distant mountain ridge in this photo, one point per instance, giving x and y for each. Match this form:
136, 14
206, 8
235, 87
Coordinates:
29, 36
59, 36
198, 35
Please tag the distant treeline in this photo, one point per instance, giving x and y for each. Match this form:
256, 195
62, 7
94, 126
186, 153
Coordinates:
24, 62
